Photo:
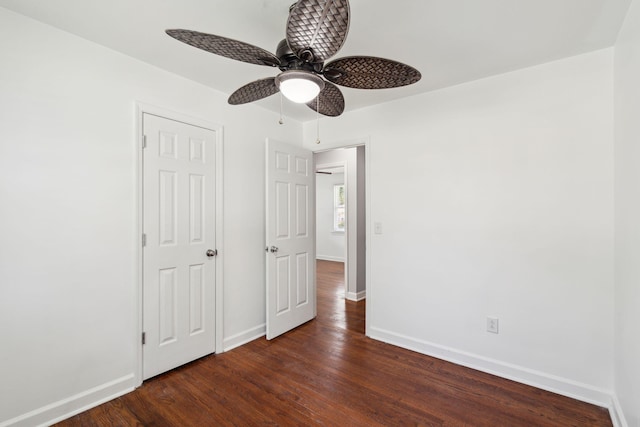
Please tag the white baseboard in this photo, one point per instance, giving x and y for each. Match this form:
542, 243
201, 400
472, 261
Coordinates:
552, 383
73, 405
330, 258
244, 337
353, 296
88, 399
617, 415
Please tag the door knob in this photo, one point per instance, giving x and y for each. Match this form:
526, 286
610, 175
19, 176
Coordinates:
212, 252
273, 249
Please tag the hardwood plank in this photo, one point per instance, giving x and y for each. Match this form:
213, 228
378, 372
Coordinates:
327, 372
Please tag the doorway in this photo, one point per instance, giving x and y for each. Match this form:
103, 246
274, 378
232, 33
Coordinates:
290, 214
341, 235
341, 214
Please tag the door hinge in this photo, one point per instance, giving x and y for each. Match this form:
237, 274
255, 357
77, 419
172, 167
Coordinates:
144, 239
144, 141
144, 338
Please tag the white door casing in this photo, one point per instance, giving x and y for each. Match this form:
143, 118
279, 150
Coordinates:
290, 237
179, 225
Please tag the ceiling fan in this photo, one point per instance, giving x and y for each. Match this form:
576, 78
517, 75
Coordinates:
316, 30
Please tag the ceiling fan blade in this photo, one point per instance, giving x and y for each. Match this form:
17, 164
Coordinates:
254, 91
229, 48
330, 99
320, 26
368, 72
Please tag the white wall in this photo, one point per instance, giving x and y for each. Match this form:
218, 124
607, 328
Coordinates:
330, 245
496, 198
627, 208
68, 274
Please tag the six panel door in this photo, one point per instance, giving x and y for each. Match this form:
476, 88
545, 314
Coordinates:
290, 228
179, 225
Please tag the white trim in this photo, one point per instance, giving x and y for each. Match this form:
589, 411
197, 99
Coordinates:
368, 232
244, 337
138, 299
616, 413
353, 296
330, 258
75, 404
541, 380
220, 240
141, 109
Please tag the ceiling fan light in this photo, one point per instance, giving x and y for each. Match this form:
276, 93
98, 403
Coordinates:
299, 86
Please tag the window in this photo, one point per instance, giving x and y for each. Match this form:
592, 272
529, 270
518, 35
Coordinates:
338, 207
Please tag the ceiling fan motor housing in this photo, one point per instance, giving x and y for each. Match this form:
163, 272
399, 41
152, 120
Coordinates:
289, 61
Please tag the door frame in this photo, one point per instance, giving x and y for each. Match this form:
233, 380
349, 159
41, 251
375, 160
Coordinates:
142, 108
366, 143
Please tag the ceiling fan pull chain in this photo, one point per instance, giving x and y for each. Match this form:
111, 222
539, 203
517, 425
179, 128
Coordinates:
281, 121
318, 118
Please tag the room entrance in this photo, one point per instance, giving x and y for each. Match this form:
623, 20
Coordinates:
291, 231
340, 214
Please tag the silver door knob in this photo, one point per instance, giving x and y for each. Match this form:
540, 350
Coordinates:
273, 249
212, 252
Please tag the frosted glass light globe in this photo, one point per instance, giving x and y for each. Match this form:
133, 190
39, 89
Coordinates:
299, 86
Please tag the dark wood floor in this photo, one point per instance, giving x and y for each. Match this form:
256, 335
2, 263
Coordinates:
327, 372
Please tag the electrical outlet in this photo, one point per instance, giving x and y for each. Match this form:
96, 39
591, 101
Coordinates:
492, 325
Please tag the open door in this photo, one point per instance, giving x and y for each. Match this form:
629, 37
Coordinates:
290, 237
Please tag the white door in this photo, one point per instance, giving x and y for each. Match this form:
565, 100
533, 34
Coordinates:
290, 214
179, 253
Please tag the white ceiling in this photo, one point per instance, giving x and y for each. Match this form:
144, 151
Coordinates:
448, 41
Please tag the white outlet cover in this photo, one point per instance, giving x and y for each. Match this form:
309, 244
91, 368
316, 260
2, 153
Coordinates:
492, 325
